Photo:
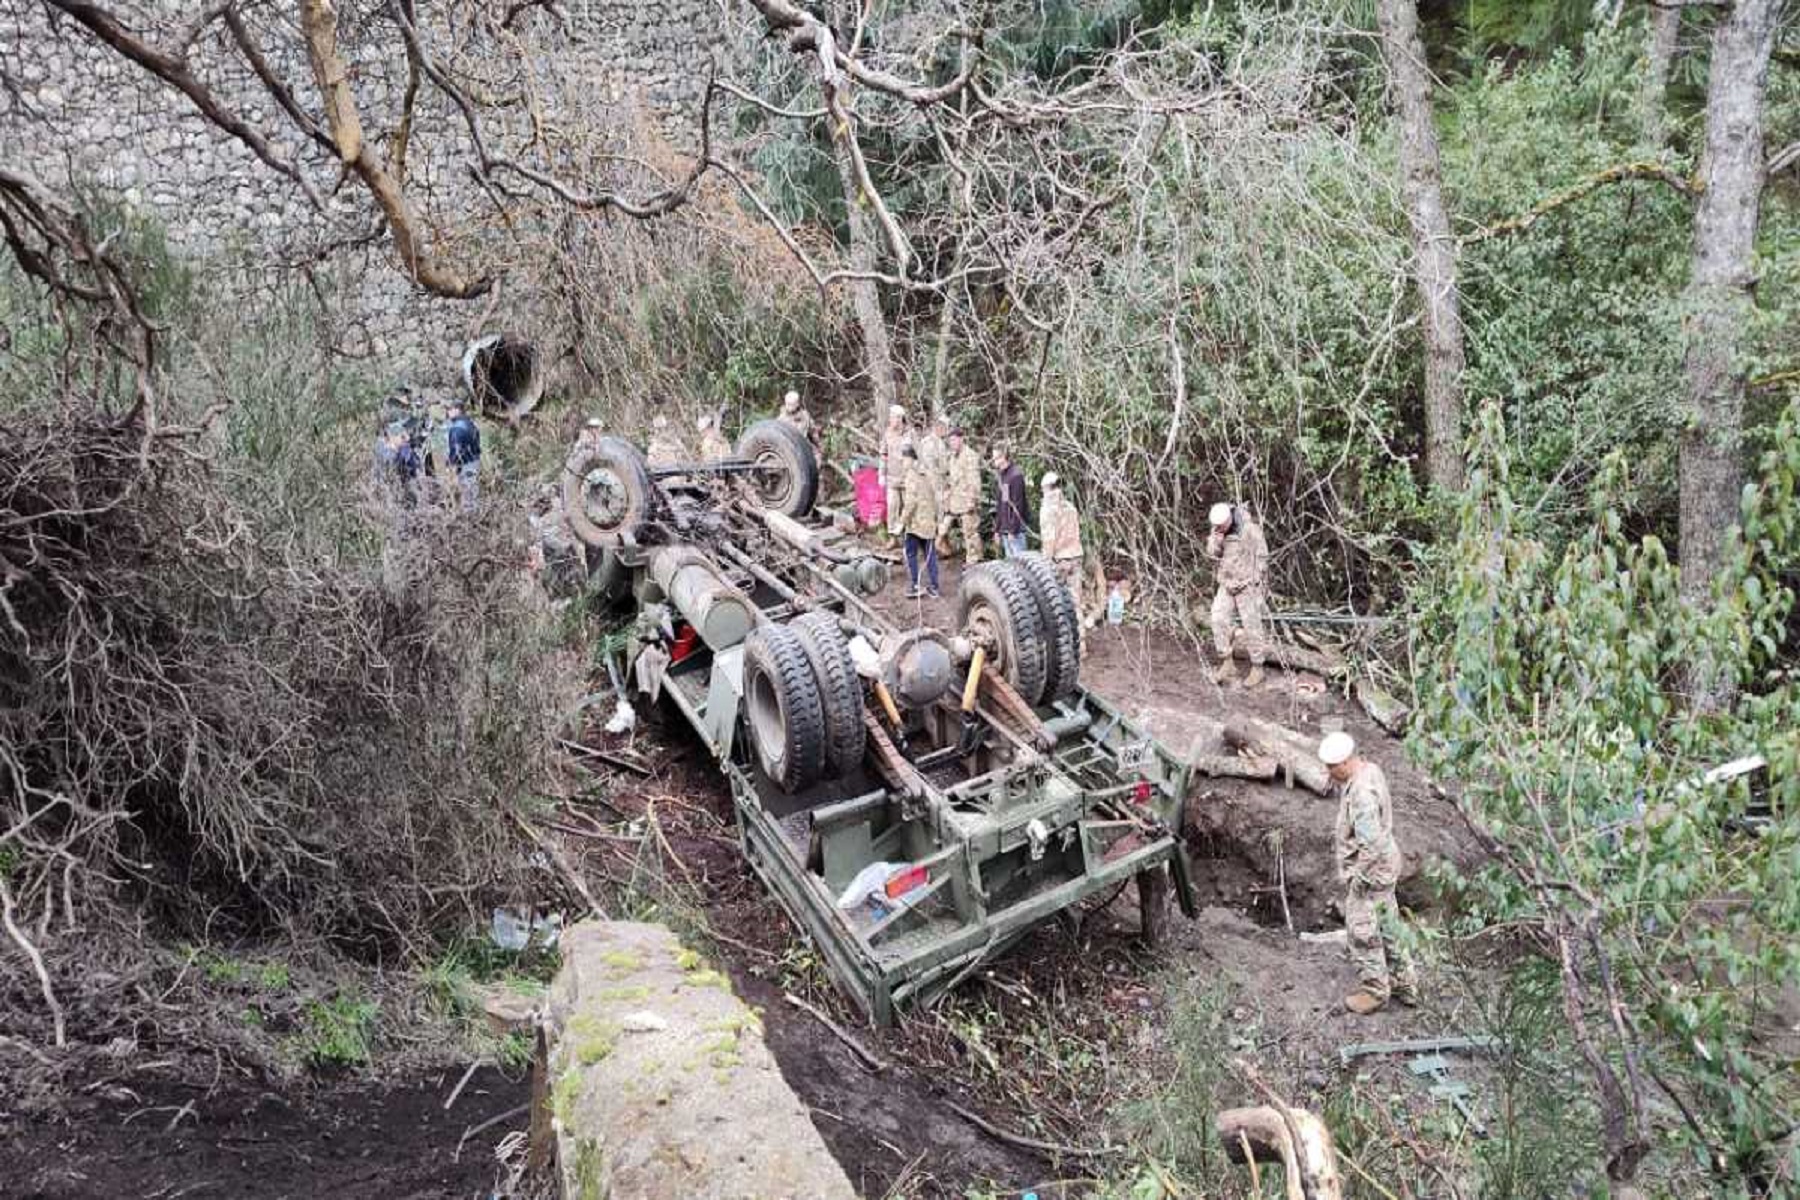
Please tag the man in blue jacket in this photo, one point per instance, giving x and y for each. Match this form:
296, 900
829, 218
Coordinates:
464, 452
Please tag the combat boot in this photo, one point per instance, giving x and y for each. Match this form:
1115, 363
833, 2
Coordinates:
1362, 1002
1224, 673
1255, 676
1407, 994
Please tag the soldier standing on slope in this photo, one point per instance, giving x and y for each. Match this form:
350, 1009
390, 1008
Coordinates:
1369, 864
1241, 565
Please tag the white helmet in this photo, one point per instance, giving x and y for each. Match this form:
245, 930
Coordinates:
791, 400
1221, 515
1336, 748
1051, 479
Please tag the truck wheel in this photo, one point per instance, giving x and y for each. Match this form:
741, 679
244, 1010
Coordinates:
607, 492
787, 476
1059, 620
840, 691
781, 700
995, 609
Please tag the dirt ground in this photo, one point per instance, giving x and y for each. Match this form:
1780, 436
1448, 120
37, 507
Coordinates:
143, 1133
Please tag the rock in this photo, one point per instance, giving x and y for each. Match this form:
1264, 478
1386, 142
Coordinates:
690, 1104
508, 1010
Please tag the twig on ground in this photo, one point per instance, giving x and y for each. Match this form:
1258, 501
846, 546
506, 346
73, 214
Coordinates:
1028, 1143
478, 1130
462, 1083
37, 963
868, 1057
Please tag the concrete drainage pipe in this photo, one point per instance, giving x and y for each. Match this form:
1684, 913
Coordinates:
502, 373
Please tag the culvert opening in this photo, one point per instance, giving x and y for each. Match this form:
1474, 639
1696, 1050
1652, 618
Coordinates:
502, 374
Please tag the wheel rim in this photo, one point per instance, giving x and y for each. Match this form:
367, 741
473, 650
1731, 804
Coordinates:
603, 498
766, 719
987, 629
770, 479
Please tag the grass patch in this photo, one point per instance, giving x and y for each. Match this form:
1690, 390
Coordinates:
337, 1032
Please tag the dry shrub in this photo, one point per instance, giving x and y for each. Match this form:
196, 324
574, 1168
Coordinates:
195, 718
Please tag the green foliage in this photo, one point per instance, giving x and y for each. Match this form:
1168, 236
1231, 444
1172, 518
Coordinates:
337, 1032
1553, 702
1174, 1126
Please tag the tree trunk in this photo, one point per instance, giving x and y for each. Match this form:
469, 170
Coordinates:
1665, 27
865, 295
1434, 249
1718, 306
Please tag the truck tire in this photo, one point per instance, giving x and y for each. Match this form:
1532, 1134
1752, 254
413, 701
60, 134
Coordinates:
1059, 620
995, 609
607, 493
788, 481
783, 708
840, 691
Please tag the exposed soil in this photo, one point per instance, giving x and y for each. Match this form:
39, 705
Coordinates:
143, 1134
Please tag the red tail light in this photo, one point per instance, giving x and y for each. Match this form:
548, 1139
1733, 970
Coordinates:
905, 881
1141, 793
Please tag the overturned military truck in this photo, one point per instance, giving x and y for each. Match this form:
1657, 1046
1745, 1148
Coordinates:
917, 799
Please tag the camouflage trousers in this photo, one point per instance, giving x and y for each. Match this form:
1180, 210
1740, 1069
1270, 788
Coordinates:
969, 524
893, 508
1249, 608
1372, 923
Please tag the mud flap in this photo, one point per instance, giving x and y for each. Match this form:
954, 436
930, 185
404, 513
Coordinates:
1184, 883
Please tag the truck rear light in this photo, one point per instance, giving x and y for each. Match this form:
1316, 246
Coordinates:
1141, 793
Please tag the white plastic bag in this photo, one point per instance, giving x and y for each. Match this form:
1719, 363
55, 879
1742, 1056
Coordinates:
871, 879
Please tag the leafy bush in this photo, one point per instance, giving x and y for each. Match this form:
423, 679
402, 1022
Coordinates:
1670, 901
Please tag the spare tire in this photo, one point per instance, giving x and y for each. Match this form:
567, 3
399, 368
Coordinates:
783, 708
996, 610
840, 691
1059, 620
786, 479
607, 493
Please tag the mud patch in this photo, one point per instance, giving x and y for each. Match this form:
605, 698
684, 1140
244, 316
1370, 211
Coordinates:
139, 1135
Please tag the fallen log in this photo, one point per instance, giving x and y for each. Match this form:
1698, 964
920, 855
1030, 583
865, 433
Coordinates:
1293, 752
1235, 766
1383, 707
1262, 1134
1292, 658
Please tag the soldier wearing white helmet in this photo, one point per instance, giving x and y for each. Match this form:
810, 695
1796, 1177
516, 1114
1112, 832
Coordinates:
1241, 567
795, 414
1369, 865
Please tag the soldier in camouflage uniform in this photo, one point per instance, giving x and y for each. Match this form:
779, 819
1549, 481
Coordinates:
962, 498
1241, 559
665, 448
794, 414
1369, 865
713, 445
895, 440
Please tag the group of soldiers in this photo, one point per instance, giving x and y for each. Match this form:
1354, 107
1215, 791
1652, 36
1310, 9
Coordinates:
933, 484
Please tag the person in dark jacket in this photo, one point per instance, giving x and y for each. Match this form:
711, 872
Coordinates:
397, 464
464, 452
1009, 504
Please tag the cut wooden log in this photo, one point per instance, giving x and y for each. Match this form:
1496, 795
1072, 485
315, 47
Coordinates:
1310, 1168
1383, 707
1293, 658
1295, 753
1235, 766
